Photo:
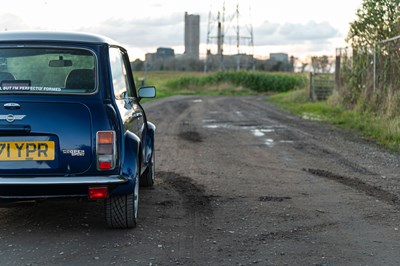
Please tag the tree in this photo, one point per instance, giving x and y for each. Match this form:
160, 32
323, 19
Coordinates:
303, 67
137, 65
321, 64
377, 20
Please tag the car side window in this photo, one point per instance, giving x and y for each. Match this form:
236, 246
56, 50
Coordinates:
119, 72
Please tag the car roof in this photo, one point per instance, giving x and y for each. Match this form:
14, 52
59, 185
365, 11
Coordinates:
54, 36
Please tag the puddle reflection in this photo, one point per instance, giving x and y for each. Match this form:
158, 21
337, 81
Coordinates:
264, 132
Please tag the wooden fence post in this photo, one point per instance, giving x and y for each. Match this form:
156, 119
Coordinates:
311, 87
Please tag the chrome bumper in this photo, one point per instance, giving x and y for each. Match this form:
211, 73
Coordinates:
95, 180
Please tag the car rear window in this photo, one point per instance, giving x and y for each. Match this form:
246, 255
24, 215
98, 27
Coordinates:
47, 70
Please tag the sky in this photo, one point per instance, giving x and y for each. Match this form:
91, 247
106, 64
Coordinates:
299, 28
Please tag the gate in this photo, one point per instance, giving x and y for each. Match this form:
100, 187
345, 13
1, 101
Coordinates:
321, 85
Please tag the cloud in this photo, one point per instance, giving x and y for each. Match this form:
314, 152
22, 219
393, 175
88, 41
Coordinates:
148, 33
12, 22
144, 32
293, 33
267, 28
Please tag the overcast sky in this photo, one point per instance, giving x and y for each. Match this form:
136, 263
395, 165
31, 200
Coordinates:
299, 28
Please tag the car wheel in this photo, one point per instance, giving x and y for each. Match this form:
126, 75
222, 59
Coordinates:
147, 180
122, 211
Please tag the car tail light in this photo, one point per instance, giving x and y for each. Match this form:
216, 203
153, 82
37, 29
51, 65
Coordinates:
105, 149
98, 192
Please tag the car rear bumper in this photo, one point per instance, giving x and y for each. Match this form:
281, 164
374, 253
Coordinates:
95, 180
18, 188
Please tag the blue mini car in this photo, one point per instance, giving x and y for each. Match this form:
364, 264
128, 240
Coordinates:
71, 123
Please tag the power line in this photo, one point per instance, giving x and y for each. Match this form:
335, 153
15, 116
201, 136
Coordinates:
222, 28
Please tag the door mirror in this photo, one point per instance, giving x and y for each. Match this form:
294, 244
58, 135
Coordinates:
147, 92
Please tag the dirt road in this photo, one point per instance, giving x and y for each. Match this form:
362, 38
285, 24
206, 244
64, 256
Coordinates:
238, 183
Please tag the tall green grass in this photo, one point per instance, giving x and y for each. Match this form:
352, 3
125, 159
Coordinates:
227, 83
384, 130
254, 81
159, 79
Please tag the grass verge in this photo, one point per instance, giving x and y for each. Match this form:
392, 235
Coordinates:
221, 83
384, 130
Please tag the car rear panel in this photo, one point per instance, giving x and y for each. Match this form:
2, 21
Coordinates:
50, 113
44, 138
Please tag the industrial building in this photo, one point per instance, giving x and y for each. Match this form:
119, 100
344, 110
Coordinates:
192, 35
279, 57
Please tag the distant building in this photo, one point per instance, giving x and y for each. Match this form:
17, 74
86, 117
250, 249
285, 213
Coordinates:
150, 58
192, 35
160, 59
165, 53
279, 57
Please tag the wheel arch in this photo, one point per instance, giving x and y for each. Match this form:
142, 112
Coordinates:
151, 130
130, 165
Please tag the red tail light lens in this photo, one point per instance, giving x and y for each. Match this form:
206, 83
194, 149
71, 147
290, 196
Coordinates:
98, 192
105, 165
105, 149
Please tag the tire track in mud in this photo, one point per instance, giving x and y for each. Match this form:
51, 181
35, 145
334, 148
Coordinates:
297, 233
195, 199
358, 185
198, 215
318, 152
191, 136
273, 198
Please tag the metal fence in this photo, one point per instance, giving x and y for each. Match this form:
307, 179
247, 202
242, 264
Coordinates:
370, 76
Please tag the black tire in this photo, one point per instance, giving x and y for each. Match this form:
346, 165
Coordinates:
122, 211
147, 179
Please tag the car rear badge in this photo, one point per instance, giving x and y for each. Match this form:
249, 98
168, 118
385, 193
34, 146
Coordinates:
12, 106
74, 153
11, 118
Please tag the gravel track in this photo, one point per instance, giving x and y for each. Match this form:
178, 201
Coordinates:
238, 182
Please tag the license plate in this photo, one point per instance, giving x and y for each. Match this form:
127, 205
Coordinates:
27, 150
